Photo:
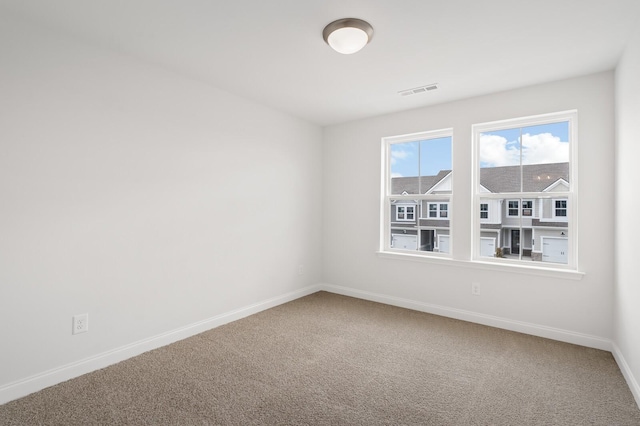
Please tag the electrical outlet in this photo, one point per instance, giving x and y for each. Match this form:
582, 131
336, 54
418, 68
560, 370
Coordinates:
300, 269
80, 323
475, 289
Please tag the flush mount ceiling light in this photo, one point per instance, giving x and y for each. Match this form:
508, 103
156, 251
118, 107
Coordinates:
348, 35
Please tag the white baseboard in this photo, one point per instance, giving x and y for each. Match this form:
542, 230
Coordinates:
37, 382
54, 376
493, 321
626, 372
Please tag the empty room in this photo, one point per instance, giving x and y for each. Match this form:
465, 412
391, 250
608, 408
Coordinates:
319, 212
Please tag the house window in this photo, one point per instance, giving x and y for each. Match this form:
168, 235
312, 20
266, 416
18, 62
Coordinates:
484, 211
513, 208
405, 213
527, 165
417, 168
438, 210
560, 208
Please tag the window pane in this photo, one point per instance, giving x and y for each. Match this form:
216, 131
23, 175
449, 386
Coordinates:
538, 237
500, 161
545, 157
524, 159
419, 169
484, 211
404, 165
421, 166
435, 165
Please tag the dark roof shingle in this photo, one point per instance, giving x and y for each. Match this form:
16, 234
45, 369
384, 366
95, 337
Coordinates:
536, 177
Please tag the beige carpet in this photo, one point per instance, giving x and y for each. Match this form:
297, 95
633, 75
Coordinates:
330, 360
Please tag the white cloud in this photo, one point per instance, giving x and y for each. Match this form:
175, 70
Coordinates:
543, 148
395, 175
399, 154
494, 151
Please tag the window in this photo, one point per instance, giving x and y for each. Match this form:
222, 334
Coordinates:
526, 167
444, 210
513, 208
405, 213
438, 210
560, 208
484, 211
416, 193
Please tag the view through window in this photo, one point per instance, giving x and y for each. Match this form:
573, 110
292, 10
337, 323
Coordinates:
524, 190
418, 192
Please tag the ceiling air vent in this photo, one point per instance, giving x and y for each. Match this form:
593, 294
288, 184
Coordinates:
421, 89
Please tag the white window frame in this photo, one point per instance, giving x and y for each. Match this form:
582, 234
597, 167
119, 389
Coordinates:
406, 213
387, 197
477, 129
484, 211
438, 211
555, 209
516, 208
522, 208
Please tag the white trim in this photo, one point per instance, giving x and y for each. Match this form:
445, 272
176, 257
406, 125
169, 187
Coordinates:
484, 211
438, 210
554, 210
23, 387
556, 183
433, 187
406, 206
520, 208
54, 376
626, 372
572, 216
516, 200
386, 198
558, 270
553, 333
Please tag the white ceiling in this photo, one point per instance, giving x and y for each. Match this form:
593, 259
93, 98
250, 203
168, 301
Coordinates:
272, 51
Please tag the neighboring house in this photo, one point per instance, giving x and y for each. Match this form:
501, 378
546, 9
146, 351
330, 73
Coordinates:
532, 228
421, 225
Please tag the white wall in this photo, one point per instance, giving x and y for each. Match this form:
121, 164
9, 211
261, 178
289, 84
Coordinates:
574, 310
146, 200
627, 294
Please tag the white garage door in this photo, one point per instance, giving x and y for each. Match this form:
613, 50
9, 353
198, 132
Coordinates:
407, 242
555, 249
443, 243
487, 246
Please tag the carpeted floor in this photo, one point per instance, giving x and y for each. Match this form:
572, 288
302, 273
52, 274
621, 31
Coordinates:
331, 360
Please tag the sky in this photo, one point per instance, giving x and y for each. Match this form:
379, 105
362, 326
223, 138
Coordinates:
541, 144
426, 156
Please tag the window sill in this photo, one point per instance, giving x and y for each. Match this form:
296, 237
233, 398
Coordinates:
490, 266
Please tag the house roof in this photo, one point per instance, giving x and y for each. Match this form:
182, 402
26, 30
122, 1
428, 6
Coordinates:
536, 178
410, 184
